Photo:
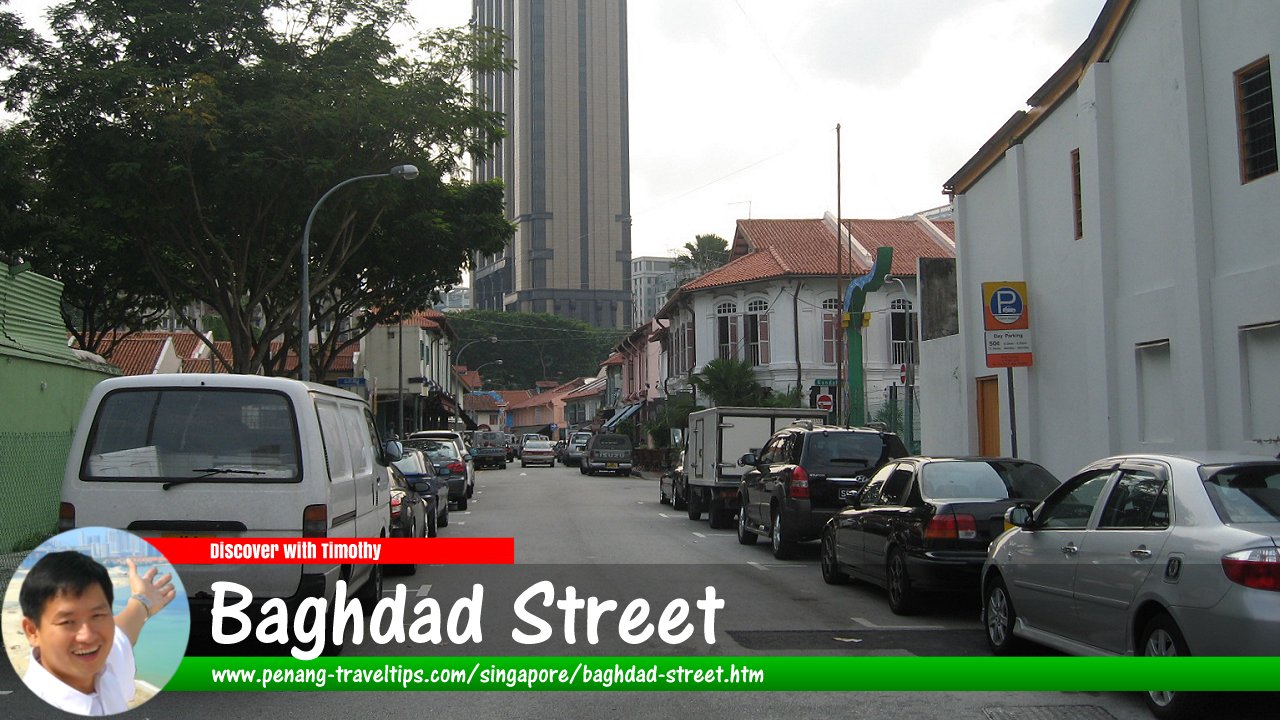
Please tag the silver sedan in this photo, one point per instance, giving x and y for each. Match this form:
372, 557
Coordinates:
1144, 555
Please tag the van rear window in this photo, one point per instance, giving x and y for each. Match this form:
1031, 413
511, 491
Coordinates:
213, 434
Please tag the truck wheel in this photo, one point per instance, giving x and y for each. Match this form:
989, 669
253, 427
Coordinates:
695, 505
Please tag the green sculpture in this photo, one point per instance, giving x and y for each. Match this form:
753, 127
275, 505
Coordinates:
855, 298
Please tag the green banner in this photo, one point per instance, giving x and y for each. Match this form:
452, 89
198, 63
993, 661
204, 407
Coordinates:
663, 674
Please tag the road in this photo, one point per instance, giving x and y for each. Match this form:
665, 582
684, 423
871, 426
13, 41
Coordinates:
609, 537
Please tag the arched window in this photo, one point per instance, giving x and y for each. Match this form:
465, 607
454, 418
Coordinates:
902, 332
756, 324
830, 329
727, 330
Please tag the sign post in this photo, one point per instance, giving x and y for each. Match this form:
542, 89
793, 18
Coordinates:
1007, 325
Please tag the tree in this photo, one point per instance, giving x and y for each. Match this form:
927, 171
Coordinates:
729, 382
532, 346
197, 143
704, 254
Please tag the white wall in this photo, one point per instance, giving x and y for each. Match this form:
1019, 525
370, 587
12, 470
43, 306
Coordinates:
1175, 249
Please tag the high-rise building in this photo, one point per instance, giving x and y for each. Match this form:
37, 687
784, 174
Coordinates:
652, 278
564, 161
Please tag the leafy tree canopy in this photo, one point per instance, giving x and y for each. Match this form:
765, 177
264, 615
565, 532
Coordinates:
704, 254
191, 144
532, 347
729, 382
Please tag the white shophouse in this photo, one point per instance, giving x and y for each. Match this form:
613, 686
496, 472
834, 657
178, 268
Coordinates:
1136, 198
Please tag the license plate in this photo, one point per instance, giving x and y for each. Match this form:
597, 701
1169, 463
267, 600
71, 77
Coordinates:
611, 466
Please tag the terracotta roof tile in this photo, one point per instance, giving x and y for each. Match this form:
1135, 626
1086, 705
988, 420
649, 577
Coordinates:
137, 356
479, 403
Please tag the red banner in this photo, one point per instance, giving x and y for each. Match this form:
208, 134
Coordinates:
293, 551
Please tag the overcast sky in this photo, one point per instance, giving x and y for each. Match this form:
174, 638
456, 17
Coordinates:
734, 103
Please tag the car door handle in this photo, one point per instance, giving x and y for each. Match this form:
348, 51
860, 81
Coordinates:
1070, 549
1140, 552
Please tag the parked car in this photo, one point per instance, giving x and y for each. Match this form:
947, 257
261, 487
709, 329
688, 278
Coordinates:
488, 449
463, 453
924, 523
448, 464
803, 475
667, 484
577, 447
225, 455
537, 452
526, 438
607, 452
420, 474
1144, 555
511, 446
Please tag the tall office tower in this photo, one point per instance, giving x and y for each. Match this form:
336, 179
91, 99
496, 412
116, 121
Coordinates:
565, 161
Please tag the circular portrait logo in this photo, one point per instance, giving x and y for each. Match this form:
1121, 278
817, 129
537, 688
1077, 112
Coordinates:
95, 621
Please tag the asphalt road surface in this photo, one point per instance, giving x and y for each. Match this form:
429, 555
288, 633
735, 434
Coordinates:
608, 537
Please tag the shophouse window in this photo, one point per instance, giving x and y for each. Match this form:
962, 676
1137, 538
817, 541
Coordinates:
757, 330
727, 330
1256, 119
830, 329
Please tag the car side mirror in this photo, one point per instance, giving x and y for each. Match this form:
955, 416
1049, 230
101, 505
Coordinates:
748, 460
422, 487
392, 451
1018, 516
466, 457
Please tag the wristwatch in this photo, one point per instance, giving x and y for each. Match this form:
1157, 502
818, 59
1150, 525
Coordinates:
142, 599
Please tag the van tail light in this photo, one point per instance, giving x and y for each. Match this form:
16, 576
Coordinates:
395, 506
457, 468
66, 516
951, 526
315, 521
799, 485
1258, 568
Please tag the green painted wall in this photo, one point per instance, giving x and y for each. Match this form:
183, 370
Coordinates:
43, 388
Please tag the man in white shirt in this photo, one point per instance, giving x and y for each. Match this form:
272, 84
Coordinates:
81, 656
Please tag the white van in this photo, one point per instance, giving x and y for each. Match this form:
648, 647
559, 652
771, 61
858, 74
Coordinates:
219, 455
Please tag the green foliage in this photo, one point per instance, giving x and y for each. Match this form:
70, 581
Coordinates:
704, 254
891, 415
729, 382
788, 399
674, 414
532, 346
191, 146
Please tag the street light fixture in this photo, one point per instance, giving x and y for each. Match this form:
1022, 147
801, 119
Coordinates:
458, 405
404, 172
457, 357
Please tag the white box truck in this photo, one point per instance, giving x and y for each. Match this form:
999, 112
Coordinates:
716, 438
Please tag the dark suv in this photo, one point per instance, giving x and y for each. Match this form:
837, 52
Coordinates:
803, 476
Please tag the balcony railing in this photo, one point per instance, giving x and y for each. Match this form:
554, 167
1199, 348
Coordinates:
904, 352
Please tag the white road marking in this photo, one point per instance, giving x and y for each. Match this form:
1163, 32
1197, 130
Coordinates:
423, 590
872, 626
849, 640
768, 566
699, 534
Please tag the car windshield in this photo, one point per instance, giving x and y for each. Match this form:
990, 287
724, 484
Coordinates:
177, 433
969, 480
1245, 493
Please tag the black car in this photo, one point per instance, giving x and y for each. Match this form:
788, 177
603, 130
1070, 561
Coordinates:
420, 476
803, 476
924, 524
449, 467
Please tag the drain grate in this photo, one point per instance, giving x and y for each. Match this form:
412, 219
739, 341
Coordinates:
1048, 712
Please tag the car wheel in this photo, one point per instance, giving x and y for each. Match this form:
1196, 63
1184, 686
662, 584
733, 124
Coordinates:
831, 572
582, 469
371, 592
678, 501
902, 599
999, 617
503, 466
442, 520
782, 547
746, 536
432, 523
1162, 638
471, 490
524, 464
662, 495
551, 464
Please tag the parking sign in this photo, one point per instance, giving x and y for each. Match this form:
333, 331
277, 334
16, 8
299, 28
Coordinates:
1007, 323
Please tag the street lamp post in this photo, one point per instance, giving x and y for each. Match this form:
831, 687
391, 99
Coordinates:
405, 172
909, 379
458, 405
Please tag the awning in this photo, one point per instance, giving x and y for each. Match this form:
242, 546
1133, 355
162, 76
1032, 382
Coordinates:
625, 413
